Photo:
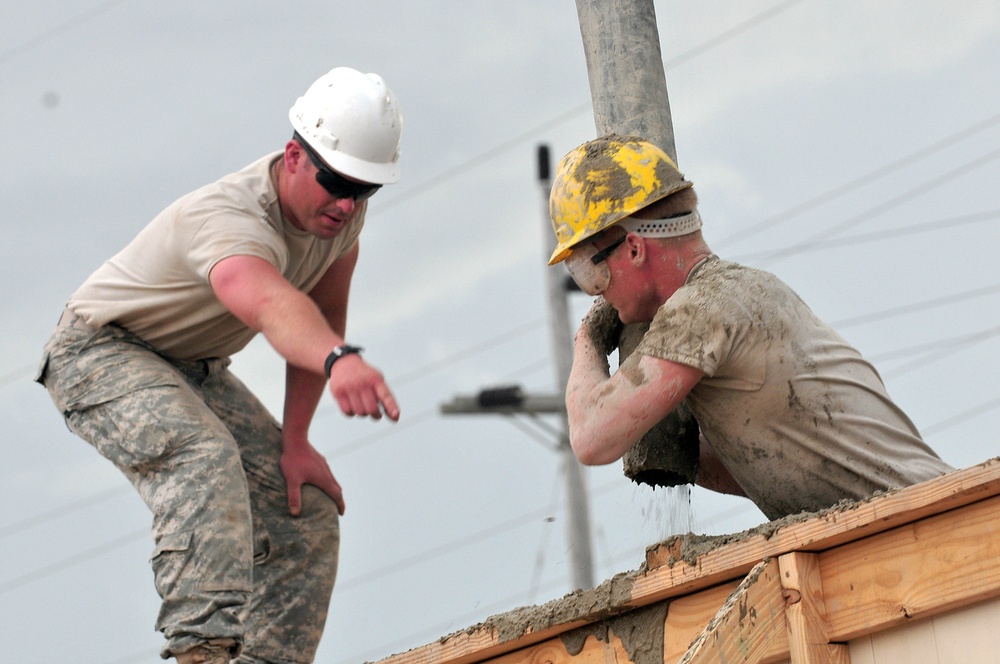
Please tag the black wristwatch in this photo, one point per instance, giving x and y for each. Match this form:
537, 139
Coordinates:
338, 353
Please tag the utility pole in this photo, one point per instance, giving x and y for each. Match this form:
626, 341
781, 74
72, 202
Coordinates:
557, 283
512, 401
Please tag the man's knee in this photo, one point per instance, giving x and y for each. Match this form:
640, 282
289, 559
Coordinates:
320, 516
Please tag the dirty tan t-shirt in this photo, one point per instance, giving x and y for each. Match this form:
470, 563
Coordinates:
791, 409
157, 287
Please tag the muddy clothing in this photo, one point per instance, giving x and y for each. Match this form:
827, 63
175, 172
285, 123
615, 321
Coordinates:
141, 373
794, 413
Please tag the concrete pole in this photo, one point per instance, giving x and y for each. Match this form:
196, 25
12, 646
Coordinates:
577, 504
629, 94
627, 84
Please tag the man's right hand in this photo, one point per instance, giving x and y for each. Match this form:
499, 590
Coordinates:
360, 389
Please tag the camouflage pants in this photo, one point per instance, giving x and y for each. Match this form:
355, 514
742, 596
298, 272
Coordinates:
202, 451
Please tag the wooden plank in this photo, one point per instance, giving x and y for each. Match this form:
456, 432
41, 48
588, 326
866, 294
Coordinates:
667, 575
750, 627
805, 612
916, 571
688, 616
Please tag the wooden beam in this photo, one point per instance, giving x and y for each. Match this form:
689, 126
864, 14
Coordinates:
750, 627
805, 611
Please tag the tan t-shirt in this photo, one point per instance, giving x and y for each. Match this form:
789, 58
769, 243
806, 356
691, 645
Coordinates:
157, 287
796, 414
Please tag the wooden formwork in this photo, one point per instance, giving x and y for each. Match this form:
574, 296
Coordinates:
907, 577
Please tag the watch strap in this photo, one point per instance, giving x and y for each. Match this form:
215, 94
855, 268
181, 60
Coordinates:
336, 354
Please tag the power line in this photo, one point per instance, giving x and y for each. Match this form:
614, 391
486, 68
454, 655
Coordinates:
17, 375
949, 346
476, 537
469, 351
962, 417
730, 34
918, 306
61, 511
76, 559
861, 181
65, 26
888, 234
895, 201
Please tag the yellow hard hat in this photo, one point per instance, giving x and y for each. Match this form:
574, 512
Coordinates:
603, 181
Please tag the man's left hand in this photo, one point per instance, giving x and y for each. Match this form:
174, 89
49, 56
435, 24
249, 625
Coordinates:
302, 464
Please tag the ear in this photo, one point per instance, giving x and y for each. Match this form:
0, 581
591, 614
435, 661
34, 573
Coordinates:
637, 249
294, 154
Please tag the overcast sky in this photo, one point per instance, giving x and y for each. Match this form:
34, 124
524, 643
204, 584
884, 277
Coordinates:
852, 147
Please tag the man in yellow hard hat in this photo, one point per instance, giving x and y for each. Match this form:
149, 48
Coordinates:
791, 415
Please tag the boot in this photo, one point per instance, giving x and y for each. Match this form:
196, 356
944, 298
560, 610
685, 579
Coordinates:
214, 651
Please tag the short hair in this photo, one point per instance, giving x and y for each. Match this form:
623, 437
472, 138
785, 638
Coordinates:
680, 202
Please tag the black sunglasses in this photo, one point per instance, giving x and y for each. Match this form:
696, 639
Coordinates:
336, 184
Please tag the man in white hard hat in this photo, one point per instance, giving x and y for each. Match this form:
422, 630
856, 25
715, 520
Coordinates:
245, 510
791, 416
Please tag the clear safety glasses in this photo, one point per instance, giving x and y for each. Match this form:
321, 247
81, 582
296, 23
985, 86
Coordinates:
336, 184
587, 267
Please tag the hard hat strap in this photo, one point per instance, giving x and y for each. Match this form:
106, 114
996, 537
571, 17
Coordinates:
669, 227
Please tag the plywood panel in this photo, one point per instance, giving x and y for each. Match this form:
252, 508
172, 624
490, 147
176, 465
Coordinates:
861, 650
969, 635
909, 644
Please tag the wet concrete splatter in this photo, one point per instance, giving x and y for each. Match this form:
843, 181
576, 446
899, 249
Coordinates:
602, 601
640, 632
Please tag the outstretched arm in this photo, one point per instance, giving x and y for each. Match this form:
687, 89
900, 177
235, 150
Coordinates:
303, 327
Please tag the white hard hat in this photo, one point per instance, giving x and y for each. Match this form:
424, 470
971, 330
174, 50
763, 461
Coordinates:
352, 120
